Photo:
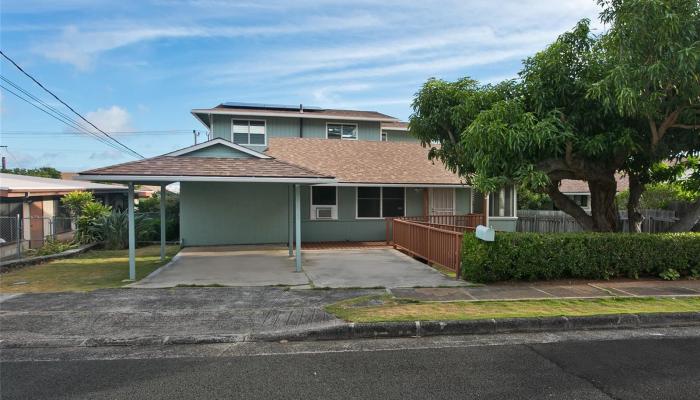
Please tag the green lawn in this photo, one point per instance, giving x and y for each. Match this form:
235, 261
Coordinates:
94, 269
386, 308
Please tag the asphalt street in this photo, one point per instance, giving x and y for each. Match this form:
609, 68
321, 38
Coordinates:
653, 364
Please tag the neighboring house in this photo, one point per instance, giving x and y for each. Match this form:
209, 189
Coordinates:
350, 170
579, 192
37, 202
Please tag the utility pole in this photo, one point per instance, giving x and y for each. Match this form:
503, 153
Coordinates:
4, 159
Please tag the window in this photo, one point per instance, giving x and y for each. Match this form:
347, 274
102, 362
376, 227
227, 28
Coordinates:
580, 199
248, 132
392, 201
501, 202
377, 202
324, 202
341, 131
384, 137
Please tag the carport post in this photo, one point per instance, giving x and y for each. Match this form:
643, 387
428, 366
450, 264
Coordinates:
162, 222
290, 223
132, 234
297, 225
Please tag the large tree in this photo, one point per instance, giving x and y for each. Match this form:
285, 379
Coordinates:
537, 131
586, 107
654, 49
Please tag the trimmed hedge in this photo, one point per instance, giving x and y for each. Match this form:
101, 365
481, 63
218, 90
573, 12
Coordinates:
534, 256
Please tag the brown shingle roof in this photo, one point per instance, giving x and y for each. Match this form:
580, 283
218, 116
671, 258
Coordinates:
354, 161
395, 125
208, 166
347, 114
574, 186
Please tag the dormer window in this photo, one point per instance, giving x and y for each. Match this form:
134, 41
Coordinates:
251, 132
341, 131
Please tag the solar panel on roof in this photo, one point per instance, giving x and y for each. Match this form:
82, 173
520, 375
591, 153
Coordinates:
236, 104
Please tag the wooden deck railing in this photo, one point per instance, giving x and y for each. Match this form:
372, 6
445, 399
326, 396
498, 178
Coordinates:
457, 223
434, 238
435, 245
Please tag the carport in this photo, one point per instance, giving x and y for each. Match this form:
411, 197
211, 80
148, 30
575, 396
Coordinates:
246, 167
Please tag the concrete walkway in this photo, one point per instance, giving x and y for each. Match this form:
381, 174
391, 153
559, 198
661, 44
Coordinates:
553, 290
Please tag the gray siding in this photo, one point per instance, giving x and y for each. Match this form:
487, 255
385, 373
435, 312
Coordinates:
399, 136
253, 213
218, 150
289, 127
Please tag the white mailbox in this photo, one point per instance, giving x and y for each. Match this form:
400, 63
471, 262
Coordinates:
485, 233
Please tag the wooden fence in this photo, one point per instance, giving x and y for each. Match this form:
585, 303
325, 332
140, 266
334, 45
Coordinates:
456, 223
544, 221
435, 245
434, 238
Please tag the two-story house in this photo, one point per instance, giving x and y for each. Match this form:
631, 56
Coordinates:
348, 170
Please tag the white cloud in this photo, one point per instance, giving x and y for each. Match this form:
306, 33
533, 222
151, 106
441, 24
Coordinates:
80, 46
112, 119
329, 94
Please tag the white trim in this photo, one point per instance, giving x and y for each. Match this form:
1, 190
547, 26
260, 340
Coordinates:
249, 120
381, 203
408, 185
391, 128
202, 121
307, 114
357, 129
179, 178
312, 206
216, 141
503, 218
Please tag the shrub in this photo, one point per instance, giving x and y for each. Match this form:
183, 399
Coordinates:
586, 255
113, 229
85, 211
51, 246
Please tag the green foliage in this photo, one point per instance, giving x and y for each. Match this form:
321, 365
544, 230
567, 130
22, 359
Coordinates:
51, 246
172, 216
661, 196
670, 274
112, 229
76, 201
85, 211
531, 200
532, 256
44, 172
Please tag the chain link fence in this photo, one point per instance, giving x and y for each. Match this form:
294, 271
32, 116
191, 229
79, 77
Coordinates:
18, 234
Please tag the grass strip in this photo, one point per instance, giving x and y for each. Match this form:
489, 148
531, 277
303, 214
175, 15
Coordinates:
388, 309
95, 269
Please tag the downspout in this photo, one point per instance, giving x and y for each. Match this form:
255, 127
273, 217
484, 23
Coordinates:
301, 121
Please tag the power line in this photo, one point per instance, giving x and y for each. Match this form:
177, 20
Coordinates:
101, 139
69, 107
140, 133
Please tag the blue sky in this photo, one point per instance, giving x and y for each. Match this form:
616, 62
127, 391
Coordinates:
134, 67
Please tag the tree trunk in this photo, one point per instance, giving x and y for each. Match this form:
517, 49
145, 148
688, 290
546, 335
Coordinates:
603, 209
634, 216
564, 203
688, 221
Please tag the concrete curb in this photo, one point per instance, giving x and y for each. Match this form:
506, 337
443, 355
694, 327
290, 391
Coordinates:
347, 331
485, 326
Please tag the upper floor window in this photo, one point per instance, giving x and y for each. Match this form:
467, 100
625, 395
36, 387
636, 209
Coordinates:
248, 132
341, 131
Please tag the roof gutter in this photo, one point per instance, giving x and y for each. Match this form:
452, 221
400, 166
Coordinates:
232, 179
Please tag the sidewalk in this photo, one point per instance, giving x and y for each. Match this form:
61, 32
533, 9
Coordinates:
553, 290
211, 315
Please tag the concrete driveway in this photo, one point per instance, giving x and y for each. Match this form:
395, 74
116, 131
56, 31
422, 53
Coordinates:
271, 266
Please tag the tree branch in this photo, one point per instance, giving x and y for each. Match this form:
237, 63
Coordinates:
688, 221
564, 203
685, 126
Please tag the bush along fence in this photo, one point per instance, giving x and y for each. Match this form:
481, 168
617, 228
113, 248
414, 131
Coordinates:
548, 221
533, 256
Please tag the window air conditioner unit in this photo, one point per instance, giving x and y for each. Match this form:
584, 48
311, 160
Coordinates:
324, 213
